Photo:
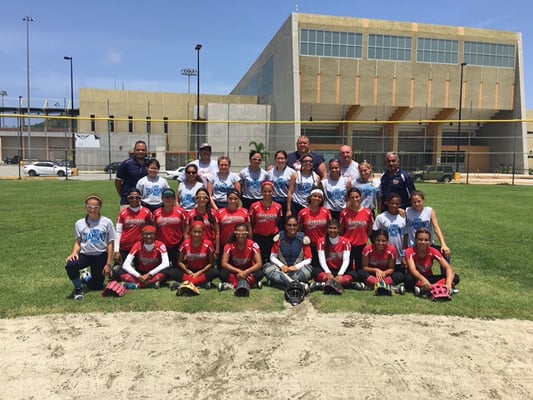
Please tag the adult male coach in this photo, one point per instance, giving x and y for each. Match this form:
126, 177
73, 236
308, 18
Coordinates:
395, 180
130, 171
206, 166
303, 146
349, 167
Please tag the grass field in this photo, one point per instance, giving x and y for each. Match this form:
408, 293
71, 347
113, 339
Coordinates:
486, 227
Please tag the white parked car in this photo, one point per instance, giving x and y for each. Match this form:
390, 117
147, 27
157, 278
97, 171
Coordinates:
45, 168
175, 174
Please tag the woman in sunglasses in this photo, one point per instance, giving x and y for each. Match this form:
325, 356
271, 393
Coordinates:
188, 188
300, 186
129, 225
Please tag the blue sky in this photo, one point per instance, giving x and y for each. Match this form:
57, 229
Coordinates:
143, 45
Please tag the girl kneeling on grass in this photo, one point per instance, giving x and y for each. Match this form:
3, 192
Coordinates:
196, 259
334, 258
150, 256
378, 263
241, 261
93, 248
420, 277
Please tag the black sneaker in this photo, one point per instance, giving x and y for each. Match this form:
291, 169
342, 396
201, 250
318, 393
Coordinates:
79, 294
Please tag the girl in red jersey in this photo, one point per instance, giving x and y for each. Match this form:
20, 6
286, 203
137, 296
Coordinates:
171, 221
203, 212
231, 216
196, 259
129, 225
314, 220
420, 277
334, 258
356, 225
264, 217
150, 256
378, 262
241, 260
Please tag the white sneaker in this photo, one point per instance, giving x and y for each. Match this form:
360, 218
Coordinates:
359, 286
224, 286
417, 291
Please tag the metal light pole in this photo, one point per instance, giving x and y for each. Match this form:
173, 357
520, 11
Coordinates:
3, 93
189, 72
197, 48
71, 114
20, 122
28, 20
463, 65
71, 106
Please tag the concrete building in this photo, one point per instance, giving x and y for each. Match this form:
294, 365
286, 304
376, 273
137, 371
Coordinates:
388, 85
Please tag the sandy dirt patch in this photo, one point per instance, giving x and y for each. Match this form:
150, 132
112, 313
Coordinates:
295, 354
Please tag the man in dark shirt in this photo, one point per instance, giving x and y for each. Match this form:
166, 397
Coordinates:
395, 180
130, 171
303, 146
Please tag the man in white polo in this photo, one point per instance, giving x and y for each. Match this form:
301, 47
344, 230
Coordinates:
206, 166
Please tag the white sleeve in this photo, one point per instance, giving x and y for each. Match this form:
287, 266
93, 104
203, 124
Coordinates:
128, 267
118, 235
345, 262
322, 260
303, 263
275, 260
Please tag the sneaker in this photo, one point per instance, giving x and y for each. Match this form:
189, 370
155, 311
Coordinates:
316, 286
130, 285
454, 291
175, 286
85, 275
399, 289
259, 285
224, 286
417, 291
79, 294
306, 288
359, 285
206, 286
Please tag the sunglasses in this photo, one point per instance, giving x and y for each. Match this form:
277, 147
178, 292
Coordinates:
190, 172
134, 197
92, 207
307, 161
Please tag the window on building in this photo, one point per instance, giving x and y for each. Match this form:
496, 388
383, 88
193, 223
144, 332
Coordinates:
165, 125
148, 124
489, 54
331, 44
93, 123
437, 51
111, 123
391, 48
130, 124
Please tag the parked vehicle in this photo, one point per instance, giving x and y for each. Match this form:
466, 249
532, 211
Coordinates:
113, 167
45, 168
70, 164
175, 174
440, 173
11, 160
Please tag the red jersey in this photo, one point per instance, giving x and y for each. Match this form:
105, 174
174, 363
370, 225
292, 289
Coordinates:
170, 225
356, 225
335, 254
377, 260
209, 228
132, 224
196, 258
314, 224
242, 259
228, 220
265, 219
423, 265
148, 260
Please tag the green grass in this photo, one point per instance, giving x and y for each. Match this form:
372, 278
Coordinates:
486, 227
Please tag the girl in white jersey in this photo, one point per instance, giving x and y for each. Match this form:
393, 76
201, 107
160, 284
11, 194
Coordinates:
336, 187
151, 187
93, 248
300, 187
220, 182
419, 216
280, 176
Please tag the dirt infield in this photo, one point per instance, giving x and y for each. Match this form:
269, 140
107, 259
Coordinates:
295, 354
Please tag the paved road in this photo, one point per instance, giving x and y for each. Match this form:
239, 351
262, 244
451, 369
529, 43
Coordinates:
12, 172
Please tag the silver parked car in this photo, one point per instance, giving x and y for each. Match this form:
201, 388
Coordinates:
175, 174
45, 168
